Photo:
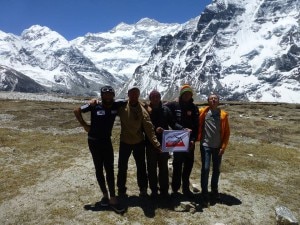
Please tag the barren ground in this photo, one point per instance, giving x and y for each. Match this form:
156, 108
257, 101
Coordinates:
47, 175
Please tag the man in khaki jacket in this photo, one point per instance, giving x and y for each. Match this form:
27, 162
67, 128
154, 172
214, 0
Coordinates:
135, 123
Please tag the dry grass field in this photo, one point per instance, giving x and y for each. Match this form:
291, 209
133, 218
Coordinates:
47, 175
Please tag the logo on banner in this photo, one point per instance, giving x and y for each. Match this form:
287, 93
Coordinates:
175, 140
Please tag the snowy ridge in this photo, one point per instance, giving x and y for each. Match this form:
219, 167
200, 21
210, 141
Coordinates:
243, 50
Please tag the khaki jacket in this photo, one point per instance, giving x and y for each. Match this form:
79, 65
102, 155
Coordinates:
135, 121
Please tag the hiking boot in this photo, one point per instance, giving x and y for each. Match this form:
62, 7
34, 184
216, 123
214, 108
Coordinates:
216, 195
175, 194
117, 208
104, 201
122, 194
154, 195
188, 193
205, 199
164, 194
143, 192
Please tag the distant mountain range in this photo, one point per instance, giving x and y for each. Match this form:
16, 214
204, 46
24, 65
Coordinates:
243, 50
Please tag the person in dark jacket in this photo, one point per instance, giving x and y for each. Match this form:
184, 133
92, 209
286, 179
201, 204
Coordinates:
162, 119
103, 115
186, 113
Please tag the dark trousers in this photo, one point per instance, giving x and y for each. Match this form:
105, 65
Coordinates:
182, 168
207, 155
158, 160
138, 151
103, 156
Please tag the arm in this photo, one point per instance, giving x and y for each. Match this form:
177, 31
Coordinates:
225, 134
195, 124
171, 121
194, 130
149, 129
78, 115
172, 116
93, 101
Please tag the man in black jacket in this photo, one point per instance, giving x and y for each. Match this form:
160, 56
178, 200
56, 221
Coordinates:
162, 119
186, 114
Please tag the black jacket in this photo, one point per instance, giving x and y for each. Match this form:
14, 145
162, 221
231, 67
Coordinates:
187, 115
163, 117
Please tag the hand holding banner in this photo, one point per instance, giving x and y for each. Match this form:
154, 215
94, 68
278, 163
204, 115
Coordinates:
175, 140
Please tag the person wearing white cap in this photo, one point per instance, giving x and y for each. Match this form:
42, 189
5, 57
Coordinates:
135, 123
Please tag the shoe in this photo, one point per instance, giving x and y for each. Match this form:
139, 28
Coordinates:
205, 199
104, 201
143, 193
165, 196
175, 194
188, 193
117, 208
122, 194
154, 195
216, 195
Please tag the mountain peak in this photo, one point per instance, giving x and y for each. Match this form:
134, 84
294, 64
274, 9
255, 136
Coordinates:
148, 22
37, 35
122, 27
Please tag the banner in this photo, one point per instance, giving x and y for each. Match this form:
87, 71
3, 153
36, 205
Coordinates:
175, 140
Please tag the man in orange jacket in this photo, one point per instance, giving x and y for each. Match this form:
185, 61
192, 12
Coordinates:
214, 135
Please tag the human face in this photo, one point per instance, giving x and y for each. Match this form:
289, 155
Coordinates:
213, 101
107, 97
133, 96
186, 96
155, 100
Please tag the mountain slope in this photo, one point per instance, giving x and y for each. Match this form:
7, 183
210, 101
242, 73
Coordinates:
12, 80
243, 50
123, 48
80, 66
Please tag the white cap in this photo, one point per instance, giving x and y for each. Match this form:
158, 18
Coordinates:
133, 87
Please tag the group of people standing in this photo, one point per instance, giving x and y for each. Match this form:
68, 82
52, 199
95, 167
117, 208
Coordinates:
142, 126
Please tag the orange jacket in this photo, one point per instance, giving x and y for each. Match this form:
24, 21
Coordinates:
225, 130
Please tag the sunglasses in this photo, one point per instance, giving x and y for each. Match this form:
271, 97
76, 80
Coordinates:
107, 90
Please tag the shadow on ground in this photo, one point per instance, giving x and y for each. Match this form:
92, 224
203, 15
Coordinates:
149, 204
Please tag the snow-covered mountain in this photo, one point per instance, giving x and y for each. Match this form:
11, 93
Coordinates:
241, 49
123, 48
80, 66
48, 59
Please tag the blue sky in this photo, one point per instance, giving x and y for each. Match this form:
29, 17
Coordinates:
74, 18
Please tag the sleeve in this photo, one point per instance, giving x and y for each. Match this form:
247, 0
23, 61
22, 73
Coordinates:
226, 132
172, 107
120, 102
85, 108
194, 134
171, 121
149, 128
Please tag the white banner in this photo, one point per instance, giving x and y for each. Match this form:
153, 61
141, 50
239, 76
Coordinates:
175, 140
